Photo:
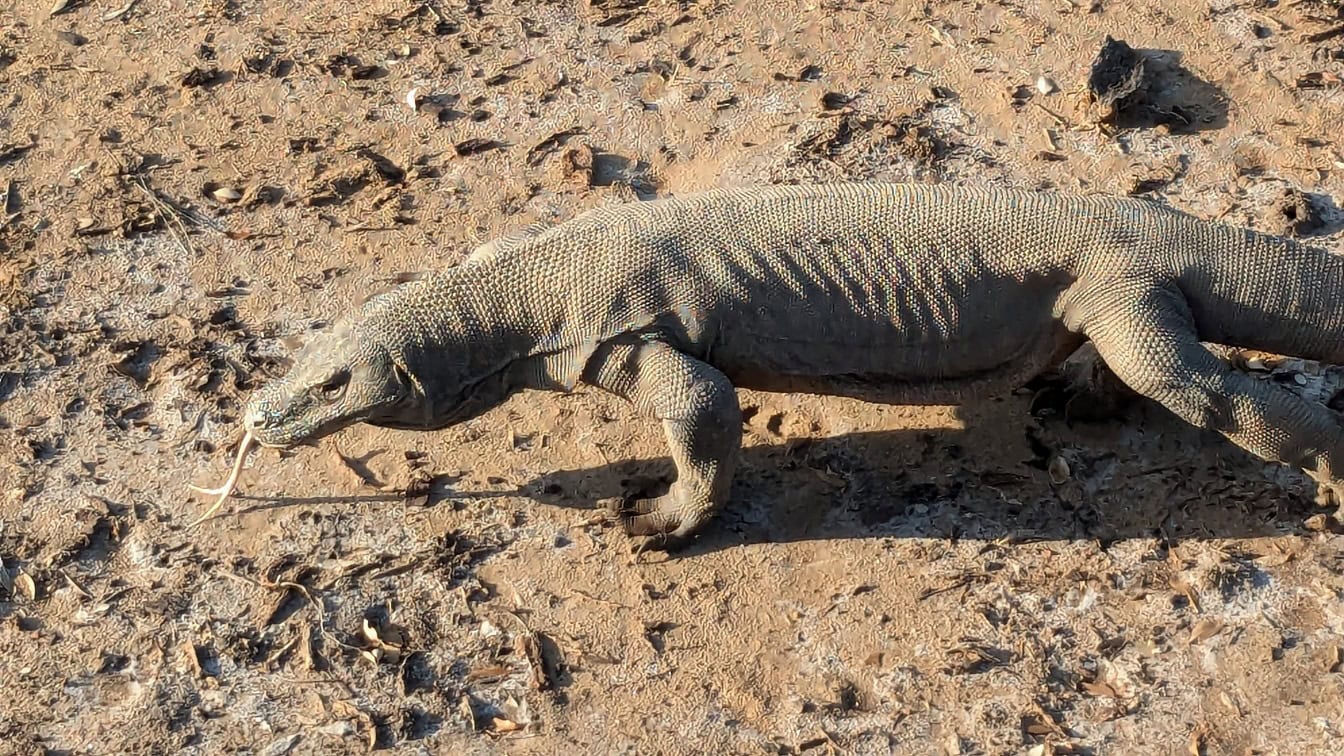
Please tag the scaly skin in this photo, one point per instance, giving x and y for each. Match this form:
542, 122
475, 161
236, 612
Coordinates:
889, 293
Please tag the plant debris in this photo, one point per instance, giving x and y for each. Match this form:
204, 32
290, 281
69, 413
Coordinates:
1117, 77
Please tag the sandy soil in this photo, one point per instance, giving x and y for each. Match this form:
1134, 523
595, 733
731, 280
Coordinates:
190, 186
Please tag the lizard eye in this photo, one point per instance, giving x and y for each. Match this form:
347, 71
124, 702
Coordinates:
334, 387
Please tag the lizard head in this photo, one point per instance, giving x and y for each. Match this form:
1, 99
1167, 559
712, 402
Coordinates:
339, 378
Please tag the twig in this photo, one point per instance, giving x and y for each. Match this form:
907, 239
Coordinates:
591, 597
1322, 36
302, 590
175, 225
281, 652
226, 490
10, 196
1058, 118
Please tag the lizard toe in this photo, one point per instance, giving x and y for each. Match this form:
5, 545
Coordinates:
654, 523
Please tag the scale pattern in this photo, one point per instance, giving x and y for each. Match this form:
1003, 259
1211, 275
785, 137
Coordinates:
885, 292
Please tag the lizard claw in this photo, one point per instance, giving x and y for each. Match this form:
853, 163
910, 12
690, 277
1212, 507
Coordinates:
226, 490
651, 521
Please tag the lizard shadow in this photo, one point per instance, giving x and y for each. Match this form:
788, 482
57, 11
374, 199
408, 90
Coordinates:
1143, 476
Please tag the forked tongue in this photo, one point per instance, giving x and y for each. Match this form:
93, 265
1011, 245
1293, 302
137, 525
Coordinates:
226, 490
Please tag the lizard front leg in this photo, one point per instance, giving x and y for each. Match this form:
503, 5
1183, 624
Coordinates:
698, 407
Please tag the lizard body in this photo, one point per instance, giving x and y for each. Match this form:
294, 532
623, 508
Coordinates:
891, 293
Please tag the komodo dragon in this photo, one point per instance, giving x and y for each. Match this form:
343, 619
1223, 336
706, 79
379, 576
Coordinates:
890, 293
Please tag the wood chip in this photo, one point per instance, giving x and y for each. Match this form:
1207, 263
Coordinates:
1059, 470
1205, 629
504, 725
1319, 80
490, 673
225, 194
25, 585
536, 660
1100, 689
312, 658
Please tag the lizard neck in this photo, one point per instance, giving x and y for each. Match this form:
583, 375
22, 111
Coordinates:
489, 321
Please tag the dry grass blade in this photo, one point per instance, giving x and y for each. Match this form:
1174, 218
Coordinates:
226, 490
166, 211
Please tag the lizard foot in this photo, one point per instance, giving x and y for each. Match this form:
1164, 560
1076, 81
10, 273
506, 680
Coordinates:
655, 521
1330, 494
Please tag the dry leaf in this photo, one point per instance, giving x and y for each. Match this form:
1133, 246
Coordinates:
536, 661
1318, 80
829, 478
1205, 629
504, 725
345, 710
391, 636
370, 632
1038, 728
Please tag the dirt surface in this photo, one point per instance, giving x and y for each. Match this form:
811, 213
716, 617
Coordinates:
190, 186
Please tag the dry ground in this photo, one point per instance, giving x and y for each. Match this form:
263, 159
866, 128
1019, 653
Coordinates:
188, 185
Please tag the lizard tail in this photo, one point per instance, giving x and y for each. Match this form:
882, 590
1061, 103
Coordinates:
1266, 293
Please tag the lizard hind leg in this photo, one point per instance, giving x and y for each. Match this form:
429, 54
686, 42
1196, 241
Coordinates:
1148, 339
